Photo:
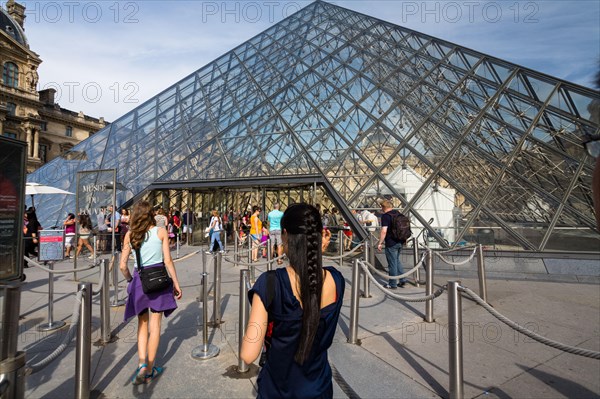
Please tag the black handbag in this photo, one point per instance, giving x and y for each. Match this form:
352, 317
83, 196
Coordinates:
154, 279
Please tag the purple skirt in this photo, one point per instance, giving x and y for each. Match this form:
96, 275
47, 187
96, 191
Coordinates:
138, 302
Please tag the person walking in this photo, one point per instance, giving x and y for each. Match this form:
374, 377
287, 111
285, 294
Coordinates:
393, 248
69, 224
255, 232
153, 245
301, 305
31, 234
85, 231
215, 226
274, 218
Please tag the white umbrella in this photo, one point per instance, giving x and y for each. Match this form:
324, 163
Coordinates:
36, 188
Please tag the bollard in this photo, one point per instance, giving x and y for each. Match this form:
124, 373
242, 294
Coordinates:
217, 294
83, 352
105, 336
481, 273
51, 325
177, 246
455, 350
249, 238
243, 319
206, 350
204, 255
367, 249
236, 252
429, 288
115, 278
12, 362
417, 274
353, 331
371, 251
225, 241
341, 247
269, 256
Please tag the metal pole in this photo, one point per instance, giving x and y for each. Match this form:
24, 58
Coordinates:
115, 278
249, 237
341, 247
204, 262
417, 274
371, 251
236, 255
225, 239
481, 273
12, 362
217, 294
353, 331
269, 256
105, 335
206, 350
243, 319
429, 288
84, 343
177, 246
51, 325
455, 349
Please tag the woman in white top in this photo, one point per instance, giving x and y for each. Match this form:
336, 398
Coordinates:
216, 225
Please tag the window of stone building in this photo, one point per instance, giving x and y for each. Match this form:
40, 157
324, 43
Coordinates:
43, 152
44, 126
11, 108
10, 74
10, 134
69, 131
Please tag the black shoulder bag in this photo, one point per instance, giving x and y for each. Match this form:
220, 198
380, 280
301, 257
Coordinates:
154, 279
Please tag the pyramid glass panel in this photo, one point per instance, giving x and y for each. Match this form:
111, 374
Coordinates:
489, 151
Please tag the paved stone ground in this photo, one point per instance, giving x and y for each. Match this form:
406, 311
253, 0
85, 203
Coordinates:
400, 355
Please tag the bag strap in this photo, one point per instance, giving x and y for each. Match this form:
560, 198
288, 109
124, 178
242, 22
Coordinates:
138, 257
271, 276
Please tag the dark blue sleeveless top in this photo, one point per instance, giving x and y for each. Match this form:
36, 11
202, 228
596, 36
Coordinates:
281, 376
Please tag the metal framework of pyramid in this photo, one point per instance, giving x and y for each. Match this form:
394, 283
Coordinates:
367, 104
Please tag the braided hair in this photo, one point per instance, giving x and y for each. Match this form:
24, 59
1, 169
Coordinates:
302, 225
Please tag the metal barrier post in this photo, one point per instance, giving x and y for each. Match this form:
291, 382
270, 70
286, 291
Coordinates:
367, 249
429, 288
455, 349
417, 274
236, 251
341, 247
51, 325
105, 336
371, 251
225, 241
249, 238
84, 343
269, 256
367, 281
12, 362
481, 273
243, 320
353, 331
177, 246
217, 294
204, 262
206, 350
115, 278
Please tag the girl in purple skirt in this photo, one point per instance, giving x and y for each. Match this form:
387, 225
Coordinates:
153, 243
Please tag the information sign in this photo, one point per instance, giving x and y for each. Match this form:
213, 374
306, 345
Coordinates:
52, 245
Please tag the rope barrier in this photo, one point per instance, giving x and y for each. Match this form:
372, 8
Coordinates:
404, 275
457, 263
546, 341
401, 297
101, 278
34, 368
338, 257
34, 263
255, 263
459, 249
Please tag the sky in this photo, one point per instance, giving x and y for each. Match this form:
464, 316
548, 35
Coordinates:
105, 58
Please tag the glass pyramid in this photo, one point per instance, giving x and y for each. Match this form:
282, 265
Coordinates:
471, 146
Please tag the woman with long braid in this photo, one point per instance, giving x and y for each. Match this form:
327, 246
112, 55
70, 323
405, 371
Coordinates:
299, 307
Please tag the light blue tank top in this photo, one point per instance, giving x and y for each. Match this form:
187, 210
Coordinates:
151, 249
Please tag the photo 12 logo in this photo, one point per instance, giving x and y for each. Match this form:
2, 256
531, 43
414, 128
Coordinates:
92, 92
247, 11
78, 11
469, 11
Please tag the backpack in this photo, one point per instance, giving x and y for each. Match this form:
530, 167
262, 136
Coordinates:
400, 227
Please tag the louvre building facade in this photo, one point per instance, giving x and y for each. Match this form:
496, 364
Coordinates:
343, 109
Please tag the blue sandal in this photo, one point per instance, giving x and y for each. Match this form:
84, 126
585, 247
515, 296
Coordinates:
139, 377
156, 371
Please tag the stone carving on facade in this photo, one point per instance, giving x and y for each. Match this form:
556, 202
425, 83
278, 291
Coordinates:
32, 78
